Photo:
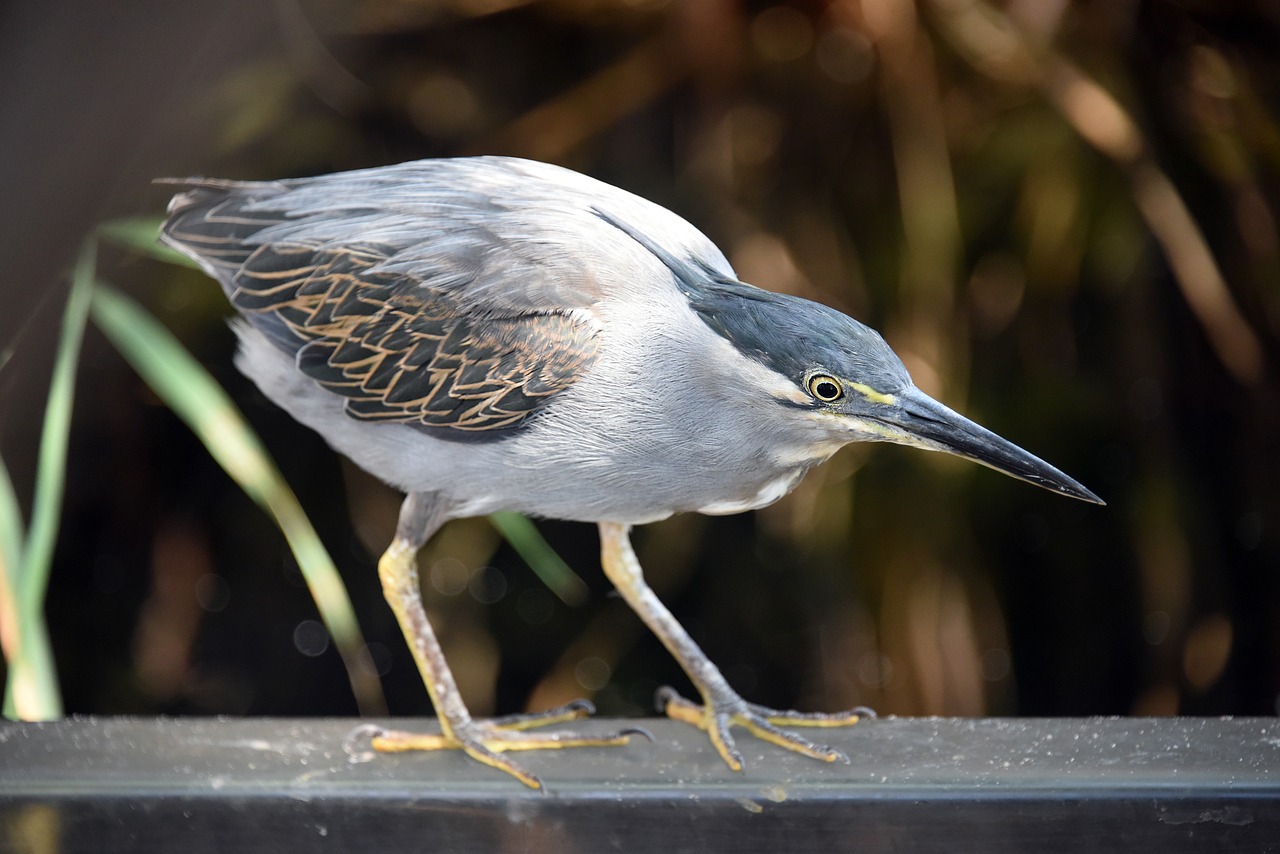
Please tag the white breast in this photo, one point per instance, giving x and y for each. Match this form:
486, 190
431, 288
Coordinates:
769, 493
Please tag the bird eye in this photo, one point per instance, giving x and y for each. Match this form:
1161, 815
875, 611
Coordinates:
825, 388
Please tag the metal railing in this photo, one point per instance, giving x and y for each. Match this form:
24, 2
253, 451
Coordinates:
986, 785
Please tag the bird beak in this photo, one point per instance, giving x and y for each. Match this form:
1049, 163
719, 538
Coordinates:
918, 420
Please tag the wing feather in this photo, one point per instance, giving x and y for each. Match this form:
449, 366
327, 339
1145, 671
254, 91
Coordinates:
435, 323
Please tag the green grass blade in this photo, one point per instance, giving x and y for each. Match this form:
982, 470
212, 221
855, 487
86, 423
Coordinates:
46, 506
11, 537
542, 559
12, 626
189, 391
142, 235
31, 692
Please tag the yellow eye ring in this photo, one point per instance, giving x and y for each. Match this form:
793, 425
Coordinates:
825, 388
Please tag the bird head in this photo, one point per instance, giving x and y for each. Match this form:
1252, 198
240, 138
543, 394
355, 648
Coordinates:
852, 386
845, 381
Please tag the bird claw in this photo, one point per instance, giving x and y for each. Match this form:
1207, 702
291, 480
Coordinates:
571, 711
718, 715
487, 740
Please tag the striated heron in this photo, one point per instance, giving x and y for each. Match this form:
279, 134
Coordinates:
497, 334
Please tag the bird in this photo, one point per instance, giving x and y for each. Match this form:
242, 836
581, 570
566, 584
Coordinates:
498, 334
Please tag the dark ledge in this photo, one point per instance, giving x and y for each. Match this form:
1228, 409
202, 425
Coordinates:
191, 785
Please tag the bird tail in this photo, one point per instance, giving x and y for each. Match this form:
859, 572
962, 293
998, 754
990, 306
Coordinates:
211, 221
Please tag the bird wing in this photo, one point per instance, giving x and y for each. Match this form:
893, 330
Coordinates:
410, 308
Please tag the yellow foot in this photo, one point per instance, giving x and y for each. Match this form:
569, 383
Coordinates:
715, 719
486, 740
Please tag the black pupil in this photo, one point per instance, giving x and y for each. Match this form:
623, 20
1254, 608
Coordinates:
827, 390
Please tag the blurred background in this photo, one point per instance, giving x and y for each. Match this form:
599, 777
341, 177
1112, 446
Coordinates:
1062, 215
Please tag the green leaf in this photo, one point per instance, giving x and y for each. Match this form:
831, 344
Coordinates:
524, 537
31, 686
28, 694
46, 507
142, 235
186, 388
11, 538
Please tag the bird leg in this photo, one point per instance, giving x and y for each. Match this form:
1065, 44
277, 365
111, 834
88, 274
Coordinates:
722, 707
484, 740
